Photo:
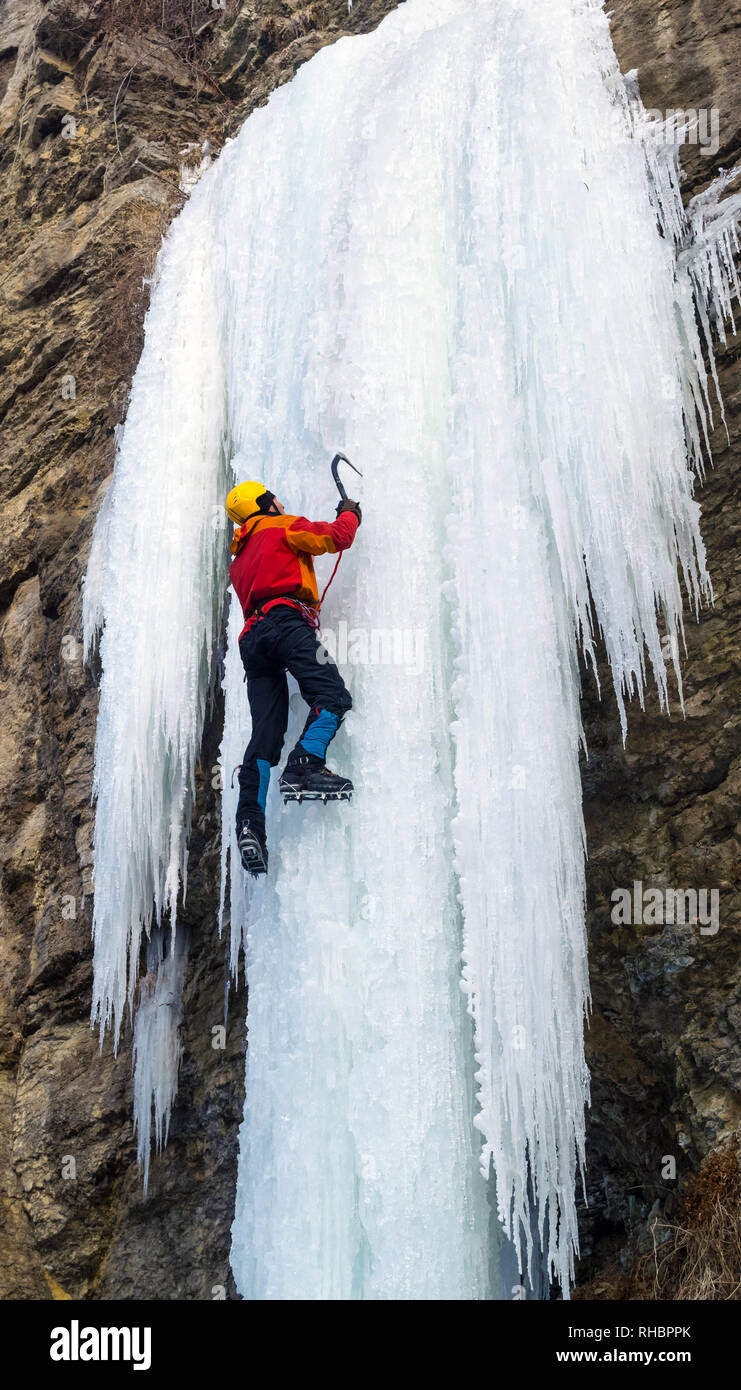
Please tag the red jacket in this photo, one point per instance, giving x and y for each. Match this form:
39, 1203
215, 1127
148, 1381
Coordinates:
273, 557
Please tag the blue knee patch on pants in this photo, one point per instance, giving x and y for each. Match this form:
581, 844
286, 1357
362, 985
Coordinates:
318, 736
263, 768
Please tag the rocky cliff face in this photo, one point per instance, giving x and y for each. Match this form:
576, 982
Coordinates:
100, 106
665, 1042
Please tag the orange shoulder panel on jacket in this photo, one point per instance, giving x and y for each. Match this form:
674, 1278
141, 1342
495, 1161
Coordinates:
322, 537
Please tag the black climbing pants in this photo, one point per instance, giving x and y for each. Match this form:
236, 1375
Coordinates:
282, 641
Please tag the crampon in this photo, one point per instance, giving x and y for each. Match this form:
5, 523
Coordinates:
307, 779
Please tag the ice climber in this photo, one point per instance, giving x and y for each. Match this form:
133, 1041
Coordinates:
273, 575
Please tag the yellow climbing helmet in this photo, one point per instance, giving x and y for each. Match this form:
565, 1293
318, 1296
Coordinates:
247, 499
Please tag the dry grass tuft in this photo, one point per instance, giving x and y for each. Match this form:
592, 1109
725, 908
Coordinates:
701, 1258
184, 25
696, 1257
303, 21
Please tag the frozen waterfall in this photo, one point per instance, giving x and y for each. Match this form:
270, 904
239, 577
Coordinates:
455, 249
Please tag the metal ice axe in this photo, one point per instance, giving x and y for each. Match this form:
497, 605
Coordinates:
336, 461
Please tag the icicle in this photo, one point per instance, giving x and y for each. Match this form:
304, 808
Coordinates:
157, 1046
92, 590
155, 582
236, 734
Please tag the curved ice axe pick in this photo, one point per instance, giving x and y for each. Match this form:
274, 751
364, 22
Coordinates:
336, 461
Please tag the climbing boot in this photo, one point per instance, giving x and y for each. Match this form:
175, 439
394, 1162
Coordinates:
306, 778
253, 850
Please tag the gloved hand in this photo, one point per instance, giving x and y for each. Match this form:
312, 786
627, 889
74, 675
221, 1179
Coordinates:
347, 505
